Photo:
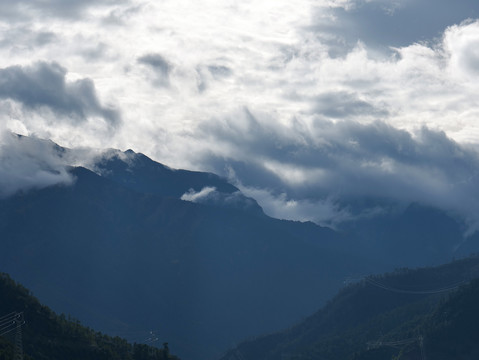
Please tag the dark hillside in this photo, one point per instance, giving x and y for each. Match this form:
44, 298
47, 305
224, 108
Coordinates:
121, 251
365, 319
47, 336
142, 174
122, 260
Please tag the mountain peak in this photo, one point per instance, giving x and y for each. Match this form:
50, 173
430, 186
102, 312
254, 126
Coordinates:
138, 172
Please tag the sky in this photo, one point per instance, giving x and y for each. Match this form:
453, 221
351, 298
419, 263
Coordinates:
307, 106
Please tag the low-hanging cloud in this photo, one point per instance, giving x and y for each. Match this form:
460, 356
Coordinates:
211, 196
199, 196
44, 85
325, 169
27, 163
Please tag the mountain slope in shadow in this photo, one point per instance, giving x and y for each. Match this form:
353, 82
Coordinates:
401, 315
31, 330
120, 259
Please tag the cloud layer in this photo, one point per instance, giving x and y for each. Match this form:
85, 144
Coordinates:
322, 172
308, 106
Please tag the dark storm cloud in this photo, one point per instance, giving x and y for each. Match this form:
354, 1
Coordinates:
43, 85
23, 10
160, 67
347, 161
383, 24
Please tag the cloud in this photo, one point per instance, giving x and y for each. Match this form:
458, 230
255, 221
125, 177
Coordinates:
383, 24
211, 196
27, 163
24, 36
119, 16
308, 102
194, 196
44, 85
342, 105
322, 174
160, 67
321, 211
22, 10
219, 71
461, 43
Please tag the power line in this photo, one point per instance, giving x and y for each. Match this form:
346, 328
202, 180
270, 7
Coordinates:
417, 292
18, 342
376, 344
421, 345
11, 322
400, 343
8, 319
8, 315
14, 322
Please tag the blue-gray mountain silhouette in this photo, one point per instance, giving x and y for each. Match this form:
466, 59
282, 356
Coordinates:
121, 251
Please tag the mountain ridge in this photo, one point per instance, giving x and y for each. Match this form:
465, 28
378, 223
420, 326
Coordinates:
120, 249
94, 240
364, 318
48, 336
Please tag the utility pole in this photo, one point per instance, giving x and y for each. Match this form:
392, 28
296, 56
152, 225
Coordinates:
421, 344
18, 337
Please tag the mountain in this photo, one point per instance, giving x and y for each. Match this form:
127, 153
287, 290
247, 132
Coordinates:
412, 235
408, 314
123, 258
44, 335
416, 235
140, 173
132, 245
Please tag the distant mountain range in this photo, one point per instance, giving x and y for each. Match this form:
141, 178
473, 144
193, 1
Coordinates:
133, 245
427, 313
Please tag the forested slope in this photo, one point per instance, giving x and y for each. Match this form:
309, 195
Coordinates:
48, 336
403, 315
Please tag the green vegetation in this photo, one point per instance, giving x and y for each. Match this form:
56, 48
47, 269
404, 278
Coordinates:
47, 336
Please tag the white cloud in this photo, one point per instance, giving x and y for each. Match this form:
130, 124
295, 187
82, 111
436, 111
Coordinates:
461, 44
211, 196
194, 196
28, 163
326, 212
